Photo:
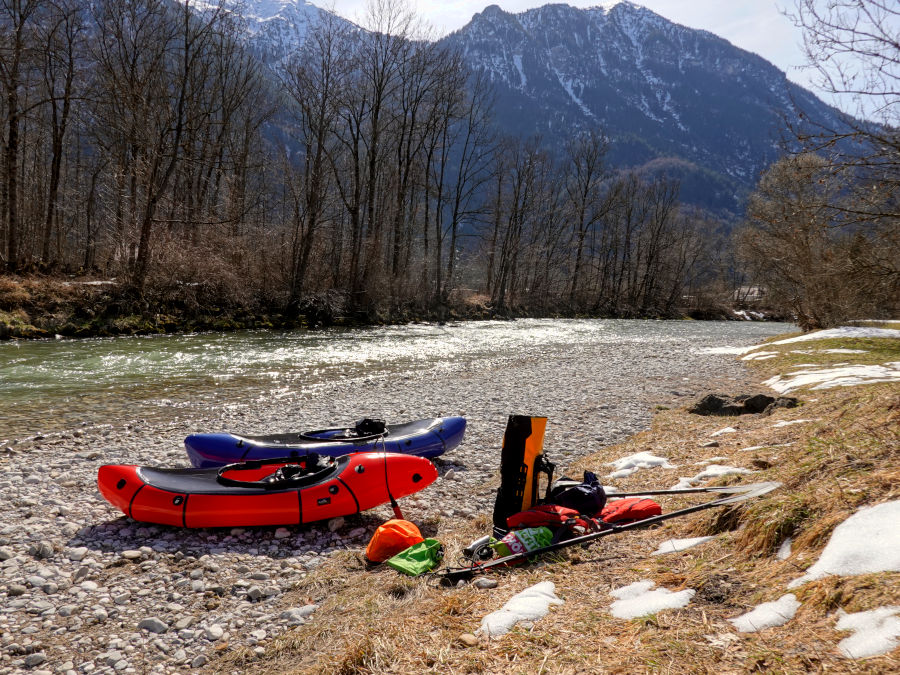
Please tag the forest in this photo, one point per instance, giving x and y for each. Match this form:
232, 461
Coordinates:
145, 143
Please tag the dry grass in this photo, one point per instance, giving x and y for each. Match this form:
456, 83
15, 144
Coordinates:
379, 622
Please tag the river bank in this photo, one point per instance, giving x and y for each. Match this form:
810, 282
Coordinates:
82, 586
46, 307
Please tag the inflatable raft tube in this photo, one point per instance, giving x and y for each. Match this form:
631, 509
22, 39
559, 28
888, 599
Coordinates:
270, 492
422, 438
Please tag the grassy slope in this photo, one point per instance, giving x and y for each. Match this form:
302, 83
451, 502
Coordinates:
380, 622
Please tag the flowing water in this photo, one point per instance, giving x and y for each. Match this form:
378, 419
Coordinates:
53, 385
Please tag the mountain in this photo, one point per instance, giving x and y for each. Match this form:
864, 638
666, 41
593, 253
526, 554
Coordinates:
675, 99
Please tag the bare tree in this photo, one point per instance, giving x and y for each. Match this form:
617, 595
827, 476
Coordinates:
584, 179
853, 46
19, 20
314, 80
791, 245
62, 36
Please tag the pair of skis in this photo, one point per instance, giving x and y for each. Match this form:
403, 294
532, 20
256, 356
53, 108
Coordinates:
733, 494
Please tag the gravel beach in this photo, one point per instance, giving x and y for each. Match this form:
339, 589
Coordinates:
85, 590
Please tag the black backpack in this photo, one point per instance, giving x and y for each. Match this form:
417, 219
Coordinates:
588, 497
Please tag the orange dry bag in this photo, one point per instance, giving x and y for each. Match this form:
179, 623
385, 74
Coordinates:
391, 538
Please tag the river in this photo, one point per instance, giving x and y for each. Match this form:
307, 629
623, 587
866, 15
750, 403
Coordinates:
50, 386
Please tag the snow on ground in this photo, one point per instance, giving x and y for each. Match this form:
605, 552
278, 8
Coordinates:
726, 430
625, 466
876, 632
730, 350
768, 614
760, 447
788, 423
639, 599
679, 545
842, 332
760, 356
844, 376
868, 541
712, 471
784, 551
531, 604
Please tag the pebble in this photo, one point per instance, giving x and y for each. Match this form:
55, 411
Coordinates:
154, 625
468, 640
14, 590
484, 582
90, 591
214, 632
35, 659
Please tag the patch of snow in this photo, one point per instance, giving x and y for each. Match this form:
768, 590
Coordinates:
842, 332
784, 551
517, 59
679, 545
729, 350
876, 632
828, 378
111, 282
638, 599
625, 466
567, 85
712, 471
531, 604
760, 356
768, 614
719, 470
844, 351
789, 423
868, 541
726, 430
755, 447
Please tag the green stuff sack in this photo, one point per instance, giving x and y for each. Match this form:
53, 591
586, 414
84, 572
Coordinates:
418, 558
522, 541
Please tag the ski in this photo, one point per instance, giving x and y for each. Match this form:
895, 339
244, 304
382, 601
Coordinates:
451, 576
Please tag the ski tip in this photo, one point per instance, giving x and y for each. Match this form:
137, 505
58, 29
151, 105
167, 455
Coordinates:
741, 493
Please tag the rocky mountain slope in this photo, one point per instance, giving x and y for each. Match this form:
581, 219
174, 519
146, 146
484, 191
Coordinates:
670, 97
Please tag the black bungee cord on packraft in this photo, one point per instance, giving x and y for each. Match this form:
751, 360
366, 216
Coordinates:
398, 514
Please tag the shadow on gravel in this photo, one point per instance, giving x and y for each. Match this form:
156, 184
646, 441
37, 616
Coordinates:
123, 534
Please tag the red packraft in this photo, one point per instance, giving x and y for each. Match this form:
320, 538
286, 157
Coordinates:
628, 510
